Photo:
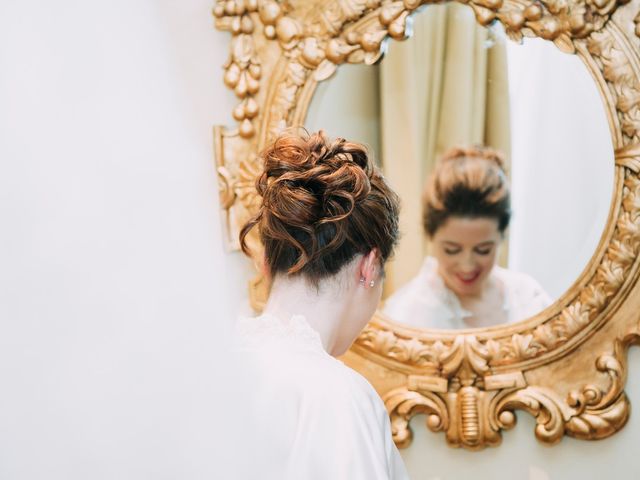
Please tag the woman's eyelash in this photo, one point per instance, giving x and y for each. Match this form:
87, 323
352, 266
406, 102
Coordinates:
454, 251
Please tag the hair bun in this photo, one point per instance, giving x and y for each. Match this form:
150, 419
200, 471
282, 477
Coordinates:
474, 152
323, 202
310, 180
467, 182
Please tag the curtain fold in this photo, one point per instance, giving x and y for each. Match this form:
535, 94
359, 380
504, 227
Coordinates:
445, 86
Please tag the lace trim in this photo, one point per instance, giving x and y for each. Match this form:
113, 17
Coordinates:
266, 329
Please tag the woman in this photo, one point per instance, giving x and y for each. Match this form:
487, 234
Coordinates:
466, 212
328, 223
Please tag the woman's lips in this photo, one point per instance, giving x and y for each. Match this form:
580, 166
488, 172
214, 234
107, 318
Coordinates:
468, 279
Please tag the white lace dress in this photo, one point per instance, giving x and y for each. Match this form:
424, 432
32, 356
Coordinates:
312, 417
426, 301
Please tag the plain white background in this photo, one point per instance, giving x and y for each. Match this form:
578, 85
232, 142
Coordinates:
116, 293
115, 289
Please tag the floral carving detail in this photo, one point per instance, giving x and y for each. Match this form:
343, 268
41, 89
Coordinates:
413, 351
556, 20
612, 58
601, 413
403, 404
284, 100
245, 186
474, 419
225, 187
591, 413
243, 70
466, 357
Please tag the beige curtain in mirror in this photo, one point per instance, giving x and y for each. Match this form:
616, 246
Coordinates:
445, 86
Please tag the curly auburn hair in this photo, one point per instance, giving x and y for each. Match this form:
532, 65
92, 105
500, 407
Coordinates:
323, 202
467, 182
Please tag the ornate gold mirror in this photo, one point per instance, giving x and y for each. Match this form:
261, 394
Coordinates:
579, 195
476, 87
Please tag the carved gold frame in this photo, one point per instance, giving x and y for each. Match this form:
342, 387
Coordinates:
565, 366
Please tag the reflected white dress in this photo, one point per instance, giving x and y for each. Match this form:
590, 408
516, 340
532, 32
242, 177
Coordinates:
313, 417
426, 302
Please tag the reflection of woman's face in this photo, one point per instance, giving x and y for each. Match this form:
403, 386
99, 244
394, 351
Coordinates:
466, 252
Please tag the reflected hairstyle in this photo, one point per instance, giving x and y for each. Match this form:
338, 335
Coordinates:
468, 183
323, 202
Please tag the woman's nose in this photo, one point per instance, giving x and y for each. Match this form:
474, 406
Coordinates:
468, 264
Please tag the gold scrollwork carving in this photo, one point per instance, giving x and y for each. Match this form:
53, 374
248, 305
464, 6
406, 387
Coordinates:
480, 416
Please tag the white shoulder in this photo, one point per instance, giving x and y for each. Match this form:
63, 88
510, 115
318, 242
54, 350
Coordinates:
331, 383
312, 416
347, 423
525, 284
526, 295
422, 302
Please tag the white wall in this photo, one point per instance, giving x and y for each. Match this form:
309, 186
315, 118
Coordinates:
115, 289
347, 105
562, 164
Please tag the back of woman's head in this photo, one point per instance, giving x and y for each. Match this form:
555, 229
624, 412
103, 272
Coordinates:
323, 203
468, 183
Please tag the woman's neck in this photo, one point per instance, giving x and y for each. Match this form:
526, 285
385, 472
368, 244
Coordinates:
487, 308
323, 308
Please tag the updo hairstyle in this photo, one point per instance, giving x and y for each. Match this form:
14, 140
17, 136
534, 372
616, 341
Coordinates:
323, 203
468, 183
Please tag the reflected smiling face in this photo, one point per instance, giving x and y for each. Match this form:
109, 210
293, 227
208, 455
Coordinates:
466, 252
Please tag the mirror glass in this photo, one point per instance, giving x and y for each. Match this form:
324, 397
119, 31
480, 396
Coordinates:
455, 84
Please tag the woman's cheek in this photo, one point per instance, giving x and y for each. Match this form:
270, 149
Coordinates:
487, 262
447, 263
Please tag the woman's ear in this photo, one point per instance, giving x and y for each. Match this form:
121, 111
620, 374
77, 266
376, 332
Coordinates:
368, 268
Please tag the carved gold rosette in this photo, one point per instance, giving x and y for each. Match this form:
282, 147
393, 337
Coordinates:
567, 365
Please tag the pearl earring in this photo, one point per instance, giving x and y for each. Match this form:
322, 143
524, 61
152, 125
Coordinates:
372, 284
